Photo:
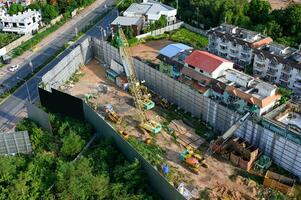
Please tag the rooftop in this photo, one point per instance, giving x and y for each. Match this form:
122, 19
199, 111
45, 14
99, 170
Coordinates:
239, 33
20, 16
152, 8
173, 49
205, 61
278, 49
247, 84
287, 116
126, 21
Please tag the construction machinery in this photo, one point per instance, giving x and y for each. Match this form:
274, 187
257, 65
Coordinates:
217, 145
111, 114
142, 100
191, 159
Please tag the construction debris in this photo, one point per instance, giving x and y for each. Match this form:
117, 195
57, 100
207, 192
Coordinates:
240, 153
186, 135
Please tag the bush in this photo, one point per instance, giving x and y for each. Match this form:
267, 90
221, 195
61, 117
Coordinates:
190, 38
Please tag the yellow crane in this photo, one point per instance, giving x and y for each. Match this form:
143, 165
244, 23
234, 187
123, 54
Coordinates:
142, 101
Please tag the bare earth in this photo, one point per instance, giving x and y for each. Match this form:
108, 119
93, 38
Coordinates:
277, 4
215, 177
149, 50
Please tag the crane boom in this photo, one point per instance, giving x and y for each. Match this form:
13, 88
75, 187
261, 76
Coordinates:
141, 101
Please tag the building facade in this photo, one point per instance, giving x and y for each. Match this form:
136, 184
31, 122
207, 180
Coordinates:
235, 44
278, 64
151, 11
23, 23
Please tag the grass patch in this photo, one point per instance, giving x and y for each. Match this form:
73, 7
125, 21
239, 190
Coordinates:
6, 38
190, 38
151, 152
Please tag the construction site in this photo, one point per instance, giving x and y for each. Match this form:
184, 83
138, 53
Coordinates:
197, 165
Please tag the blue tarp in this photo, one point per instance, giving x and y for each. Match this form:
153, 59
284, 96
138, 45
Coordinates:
173, 49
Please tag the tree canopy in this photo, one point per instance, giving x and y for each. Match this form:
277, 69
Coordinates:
49, 173
15, 8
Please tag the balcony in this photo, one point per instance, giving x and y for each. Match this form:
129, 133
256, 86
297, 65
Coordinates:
284, 78
246, 50
286, 70
297, 84
272, 65
271, 72
259, 65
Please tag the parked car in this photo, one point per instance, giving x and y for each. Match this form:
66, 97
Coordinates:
13, 68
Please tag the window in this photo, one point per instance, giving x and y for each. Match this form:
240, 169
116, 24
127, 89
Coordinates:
6, 24
14, 24
191, 67
34, 19
21, 24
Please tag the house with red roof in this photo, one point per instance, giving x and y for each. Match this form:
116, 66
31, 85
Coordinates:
207, 64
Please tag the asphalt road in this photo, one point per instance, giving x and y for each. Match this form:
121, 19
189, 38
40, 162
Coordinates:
9, 80
13, 108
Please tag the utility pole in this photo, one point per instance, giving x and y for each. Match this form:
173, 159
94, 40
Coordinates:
28, 94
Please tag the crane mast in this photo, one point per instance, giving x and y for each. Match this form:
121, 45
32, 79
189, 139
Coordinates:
142, 101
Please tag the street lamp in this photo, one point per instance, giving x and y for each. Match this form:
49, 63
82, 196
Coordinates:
29, 97
30, 65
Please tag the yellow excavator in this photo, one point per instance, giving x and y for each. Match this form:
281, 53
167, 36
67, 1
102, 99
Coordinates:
191, 159
141, 98
112, 115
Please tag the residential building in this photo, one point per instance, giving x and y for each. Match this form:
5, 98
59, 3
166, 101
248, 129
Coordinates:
151, 11
207, 64
235, 43
244, 92
278, 64
136, 23
23, 23
23, 2
172, 58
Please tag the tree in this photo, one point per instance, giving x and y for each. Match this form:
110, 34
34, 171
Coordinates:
15, 8
34, 6
258, 11
129, 32
49, 12
285, 93
72, 144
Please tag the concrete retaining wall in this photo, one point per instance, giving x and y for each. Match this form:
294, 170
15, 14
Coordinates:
161, 30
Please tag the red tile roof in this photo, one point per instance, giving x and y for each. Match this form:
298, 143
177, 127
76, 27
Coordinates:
205, 61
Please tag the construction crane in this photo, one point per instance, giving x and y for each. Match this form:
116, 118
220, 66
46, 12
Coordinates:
142, 101
217, 145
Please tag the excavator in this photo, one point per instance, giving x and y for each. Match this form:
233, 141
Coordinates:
112, 115
142, 99
191, 159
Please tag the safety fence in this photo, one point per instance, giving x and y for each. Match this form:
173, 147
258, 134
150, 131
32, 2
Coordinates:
71, 106
161, 30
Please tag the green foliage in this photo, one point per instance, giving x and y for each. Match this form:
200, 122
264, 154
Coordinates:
190, 38
101, 173
6, 38
72, 144
49, 12
34, 6
286, 94
129, 32
151, 152
283, 25
162, 22
122, 5
15, 8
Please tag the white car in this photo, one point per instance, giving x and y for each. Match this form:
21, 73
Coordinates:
13, 68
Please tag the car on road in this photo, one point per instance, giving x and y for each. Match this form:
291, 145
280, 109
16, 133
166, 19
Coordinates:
13, 68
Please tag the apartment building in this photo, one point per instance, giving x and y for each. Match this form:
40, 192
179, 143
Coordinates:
23, 23
23, 2
278, 64
151, 11
235, 43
